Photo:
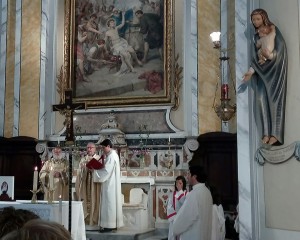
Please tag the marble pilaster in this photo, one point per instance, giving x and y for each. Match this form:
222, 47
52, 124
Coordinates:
17, 68
3, 22
244, 134
44, 37
193, 53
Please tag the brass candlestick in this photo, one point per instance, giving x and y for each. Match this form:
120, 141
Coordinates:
169, 155
50, 195
34, 197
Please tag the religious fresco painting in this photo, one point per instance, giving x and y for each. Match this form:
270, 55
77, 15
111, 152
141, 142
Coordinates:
122, 51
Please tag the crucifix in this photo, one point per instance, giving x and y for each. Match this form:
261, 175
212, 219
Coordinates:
67, 109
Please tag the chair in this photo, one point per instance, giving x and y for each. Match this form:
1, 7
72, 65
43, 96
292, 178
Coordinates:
135, 212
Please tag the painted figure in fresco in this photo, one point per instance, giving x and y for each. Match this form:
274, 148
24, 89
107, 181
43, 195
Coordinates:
175, 201
119, 45
270, 81
151, 26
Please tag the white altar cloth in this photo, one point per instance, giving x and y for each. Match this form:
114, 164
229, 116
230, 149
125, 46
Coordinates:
51, 212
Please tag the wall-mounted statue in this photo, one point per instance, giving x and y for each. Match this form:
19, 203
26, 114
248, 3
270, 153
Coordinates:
269, 67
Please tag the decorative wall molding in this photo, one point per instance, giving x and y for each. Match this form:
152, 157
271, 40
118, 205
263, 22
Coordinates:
278, 155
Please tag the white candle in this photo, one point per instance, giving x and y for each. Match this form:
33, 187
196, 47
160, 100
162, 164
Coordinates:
169, 138
60, 209
51, 182
35, 179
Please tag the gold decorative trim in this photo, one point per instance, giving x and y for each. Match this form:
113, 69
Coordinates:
177, 83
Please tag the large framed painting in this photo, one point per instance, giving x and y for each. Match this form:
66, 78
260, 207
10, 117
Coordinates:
119, 52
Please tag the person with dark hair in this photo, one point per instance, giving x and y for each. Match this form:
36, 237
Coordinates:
153, 29
175, 201
194, 219
111, 214
12, 219
37, 229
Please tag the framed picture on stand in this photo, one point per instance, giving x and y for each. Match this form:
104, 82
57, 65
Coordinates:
7, 188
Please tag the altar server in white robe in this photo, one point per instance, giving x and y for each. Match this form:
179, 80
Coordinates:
218, 223
175, 201
194, 219
218, 230
111, 214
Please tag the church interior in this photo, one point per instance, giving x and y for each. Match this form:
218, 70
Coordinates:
164, 108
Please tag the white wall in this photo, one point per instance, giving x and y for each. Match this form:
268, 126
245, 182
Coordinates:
278, 185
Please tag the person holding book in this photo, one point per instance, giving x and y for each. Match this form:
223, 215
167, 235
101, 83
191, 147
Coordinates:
87, 190
111, 214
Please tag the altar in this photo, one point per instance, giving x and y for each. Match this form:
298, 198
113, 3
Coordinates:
52, 212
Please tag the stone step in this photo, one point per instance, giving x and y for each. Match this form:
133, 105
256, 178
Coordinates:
121, 234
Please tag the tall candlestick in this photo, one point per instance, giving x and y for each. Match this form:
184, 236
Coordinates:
51, 182
60, 209
35, 179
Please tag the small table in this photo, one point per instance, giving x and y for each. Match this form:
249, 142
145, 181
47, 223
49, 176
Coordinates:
51, 212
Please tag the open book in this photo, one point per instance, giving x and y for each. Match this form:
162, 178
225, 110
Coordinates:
95, 164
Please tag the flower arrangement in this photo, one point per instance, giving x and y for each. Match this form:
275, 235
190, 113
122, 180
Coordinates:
139, 154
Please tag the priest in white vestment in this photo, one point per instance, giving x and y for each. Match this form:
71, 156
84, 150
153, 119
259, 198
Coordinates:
111, 214
194, 219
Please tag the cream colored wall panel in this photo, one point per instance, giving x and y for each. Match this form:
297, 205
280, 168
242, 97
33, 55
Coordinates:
30, 67
208, 65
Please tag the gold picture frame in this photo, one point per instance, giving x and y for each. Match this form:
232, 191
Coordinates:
68, 79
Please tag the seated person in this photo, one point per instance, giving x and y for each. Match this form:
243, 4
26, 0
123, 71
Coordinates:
39, 229
12, 219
